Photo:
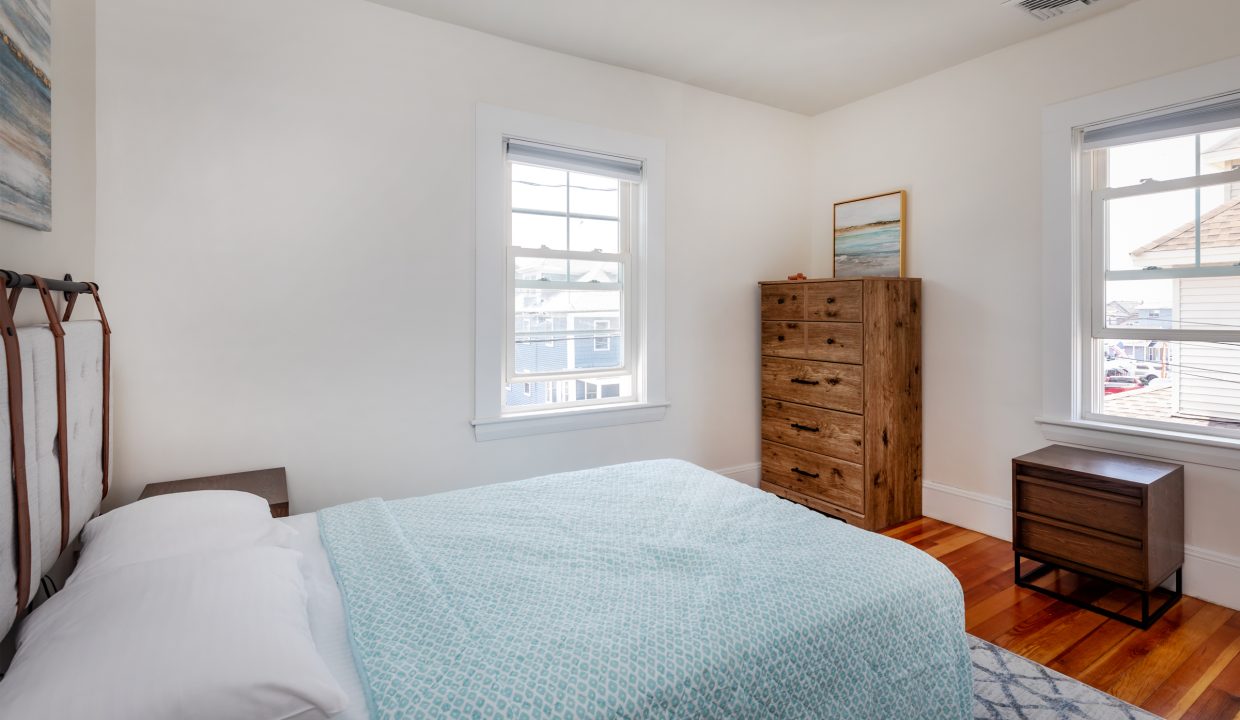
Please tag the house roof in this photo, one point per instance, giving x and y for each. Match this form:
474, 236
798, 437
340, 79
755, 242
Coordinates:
1154, 404
1220, 228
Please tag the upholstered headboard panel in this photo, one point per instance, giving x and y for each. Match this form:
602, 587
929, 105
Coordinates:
83, 344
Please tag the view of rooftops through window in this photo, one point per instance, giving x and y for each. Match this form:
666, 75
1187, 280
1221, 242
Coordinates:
1186, 240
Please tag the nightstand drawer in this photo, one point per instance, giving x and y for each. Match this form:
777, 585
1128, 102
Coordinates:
1115, 555
822, 384
1098, 509
819, 476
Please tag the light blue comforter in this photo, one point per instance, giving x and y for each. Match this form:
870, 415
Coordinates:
647, 590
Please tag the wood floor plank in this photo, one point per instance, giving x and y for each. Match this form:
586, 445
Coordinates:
1186, 667
1186, 685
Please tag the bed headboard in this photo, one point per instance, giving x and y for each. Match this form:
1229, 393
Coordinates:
61, 418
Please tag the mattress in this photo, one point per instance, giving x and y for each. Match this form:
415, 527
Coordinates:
327, 620
654, 589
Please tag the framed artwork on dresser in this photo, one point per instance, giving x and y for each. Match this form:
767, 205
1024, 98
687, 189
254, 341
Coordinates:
868, 236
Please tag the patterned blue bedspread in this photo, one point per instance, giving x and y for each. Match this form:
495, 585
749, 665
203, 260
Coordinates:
646, 590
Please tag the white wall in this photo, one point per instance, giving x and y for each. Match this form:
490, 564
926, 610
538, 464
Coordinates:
70, 246
966, 143
285, 237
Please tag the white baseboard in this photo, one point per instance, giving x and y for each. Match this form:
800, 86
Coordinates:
747, 474
1208, 574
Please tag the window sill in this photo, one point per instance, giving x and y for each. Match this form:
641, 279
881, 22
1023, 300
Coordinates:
1162, 444
553, 421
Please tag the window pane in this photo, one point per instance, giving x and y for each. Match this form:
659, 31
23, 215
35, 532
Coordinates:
538, 231
1141, 304
544, 302
1188, 383
536, 188
1150, 230
593, 271
1220, 152
1220, 225
595, 235
551, 314
1156, 160
1184, 304
533, 395
550, 269
594, 195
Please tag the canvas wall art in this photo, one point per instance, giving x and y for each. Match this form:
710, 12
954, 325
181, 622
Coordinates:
26, 112
869, 236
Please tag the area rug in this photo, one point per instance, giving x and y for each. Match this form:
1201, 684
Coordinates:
1009, 687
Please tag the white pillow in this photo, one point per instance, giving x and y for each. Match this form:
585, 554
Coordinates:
212, 636
178, 524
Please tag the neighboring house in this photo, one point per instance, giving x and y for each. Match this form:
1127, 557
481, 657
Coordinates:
551, 314
1204, 375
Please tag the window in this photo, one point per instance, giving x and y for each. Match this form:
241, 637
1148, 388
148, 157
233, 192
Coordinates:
602, 342
1160, 211
570, 276
573, 217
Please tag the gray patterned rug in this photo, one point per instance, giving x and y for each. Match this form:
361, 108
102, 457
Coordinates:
1009, 687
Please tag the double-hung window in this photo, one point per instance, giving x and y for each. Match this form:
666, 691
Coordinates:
573, 220
570, 272
1160, 207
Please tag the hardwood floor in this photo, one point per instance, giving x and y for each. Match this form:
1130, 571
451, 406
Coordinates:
1185, 666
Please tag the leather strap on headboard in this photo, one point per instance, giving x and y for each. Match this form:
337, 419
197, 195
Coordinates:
17, 436
107, 374
62, 412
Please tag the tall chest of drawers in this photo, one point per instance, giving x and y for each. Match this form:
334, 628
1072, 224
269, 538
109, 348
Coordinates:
841, 397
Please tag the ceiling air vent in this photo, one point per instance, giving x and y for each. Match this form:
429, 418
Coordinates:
1047, 9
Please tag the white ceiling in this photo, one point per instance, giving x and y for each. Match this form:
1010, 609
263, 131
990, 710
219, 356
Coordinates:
807, 56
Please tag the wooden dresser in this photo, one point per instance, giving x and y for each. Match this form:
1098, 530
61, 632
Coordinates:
841, 397
1110, 516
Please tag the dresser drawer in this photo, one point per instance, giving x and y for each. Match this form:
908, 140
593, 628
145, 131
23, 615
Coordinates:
835, 481
1114, 555
840, 301
823, 384
783, 302
1111, 512
785, 339
809, 428
834, 341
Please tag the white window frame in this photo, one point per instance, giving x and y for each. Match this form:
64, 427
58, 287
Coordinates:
492, 271
1069, 287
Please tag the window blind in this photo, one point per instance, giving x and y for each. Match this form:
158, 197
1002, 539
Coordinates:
614, 166
1216, 114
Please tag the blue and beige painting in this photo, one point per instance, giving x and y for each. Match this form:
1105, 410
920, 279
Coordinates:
26, 112
868, 236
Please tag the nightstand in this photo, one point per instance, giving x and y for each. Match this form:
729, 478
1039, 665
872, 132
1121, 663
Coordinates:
1113, 517
269, 484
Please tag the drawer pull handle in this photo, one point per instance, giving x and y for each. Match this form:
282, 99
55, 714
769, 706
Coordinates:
830, 301
830, 341
806, 473
799, 381
806, 428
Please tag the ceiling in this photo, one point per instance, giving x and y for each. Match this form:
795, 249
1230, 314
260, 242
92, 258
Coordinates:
807, 56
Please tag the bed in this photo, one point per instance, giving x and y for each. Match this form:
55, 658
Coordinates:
645, 590
652, 589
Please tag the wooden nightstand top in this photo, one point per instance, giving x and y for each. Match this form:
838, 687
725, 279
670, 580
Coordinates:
270, 484
1097, 464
